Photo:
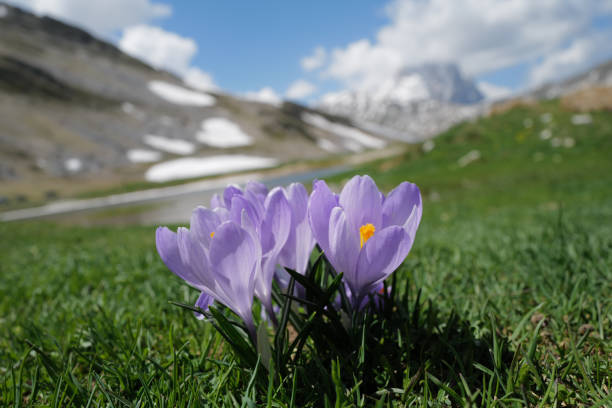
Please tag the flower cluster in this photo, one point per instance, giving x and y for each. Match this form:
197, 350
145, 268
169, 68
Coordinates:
249, 237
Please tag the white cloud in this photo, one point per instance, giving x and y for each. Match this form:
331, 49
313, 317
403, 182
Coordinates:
481, 35
363, 65
102, 17
493, 92
166, 50
570, 60
264, 95
198, 79
300, 89
160, 48
314, 61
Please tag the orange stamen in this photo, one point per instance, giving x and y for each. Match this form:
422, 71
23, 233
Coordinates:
366, 232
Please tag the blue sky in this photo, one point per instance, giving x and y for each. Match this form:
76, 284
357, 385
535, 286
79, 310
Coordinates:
245, 47
261, 44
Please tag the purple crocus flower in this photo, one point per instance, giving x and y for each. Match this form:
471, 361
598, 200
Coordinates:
267, 216
363, 234
217, 257
299, 245
254, 191
273, 233
296, 252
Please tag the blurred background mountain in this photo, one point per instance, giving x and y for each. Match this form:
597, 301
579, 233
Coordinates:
77, 115
73, 106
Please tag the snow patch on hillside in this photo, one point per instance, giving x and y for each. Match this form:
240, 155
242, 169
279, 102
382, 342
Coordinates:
73, 164
403, 90
128, 108
348, 132
352, 146
223, 133
264, 95
189, 167
175, 146
143, 156
327, 145
179, 95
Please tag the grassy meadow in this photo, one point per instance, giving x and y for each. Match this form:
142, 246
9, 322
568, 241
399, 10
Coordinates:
515, 247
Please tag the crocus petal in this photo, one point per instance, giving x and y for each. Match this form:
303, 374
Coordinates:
263, 283
257, 188
304, 246
296, 252
320, 206
380, 257
235, 256
203, 302
167, 247
376, 290
274, 233
288, 255
248, 224
223, 213
282, 277
298, 199
203, 223
362, 202
229, 192
343, 244
216, 201
240, 203
276, 223
403, 207
194, 254
257, 201
412, 223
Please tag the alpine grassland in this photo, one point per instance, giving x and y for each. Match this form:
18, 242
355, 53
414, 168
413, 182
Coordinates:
505, 299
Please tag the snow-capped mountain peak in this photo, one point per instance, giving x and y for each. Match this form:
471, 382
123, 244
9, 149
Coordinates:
405, 89
412, 105
444, 82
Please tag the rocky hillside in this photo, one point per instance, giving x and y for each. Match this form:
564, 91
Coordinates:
74, 107
585, 92
418, 103
599, 76
423, 101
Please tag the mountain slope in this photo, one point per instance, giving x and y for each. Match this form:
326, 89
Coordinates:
598, 76
75, 107
416, 104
